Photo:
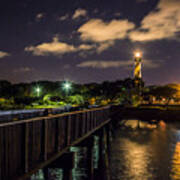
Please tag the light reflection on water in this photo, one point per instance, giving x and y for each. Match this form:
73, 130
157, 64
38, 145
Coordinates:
175, 174
143, 152
80, 164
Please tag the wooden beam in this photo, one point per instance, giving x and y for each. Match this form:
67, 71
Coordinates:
26, 147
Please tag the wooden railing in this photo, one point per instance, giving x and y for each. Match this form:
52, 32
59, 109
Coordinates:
27, 145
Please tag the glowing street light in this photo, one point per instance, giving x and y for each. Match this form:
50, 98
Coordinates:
67, 86
38, 90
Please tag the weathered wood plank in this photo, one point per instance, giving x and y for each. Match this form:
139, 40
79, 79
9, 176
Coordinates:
2, 153
32, 144
50, 117
45, 140
69, 130
26, 147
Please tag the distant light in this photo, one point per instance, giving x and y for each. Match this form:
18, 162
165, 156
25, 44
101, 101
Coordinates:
67, 86
138, 54
38, 90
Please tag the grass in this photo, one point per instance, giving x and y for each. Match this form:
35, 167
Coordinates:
42, 106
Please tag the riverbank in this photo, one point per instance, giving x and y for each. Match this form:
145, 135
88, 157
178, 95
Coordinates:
146, 113
160, 107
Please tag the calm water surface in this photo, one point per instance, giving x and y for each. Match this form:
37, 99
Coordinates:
146, 153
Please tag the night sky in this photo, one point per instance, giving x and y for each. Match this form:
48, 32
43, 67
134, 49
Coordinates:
89, 40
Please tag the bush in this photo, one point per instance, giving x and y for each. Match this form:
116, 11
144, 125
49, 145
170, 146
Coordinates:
25, 101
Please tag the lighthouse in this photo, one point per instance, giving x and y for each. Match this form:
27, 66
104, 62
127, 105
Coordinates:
137, 65
137, 68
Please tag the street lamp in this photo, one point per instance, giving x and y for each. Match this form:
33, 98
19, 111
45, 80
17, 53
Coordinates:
38, 90
67, 86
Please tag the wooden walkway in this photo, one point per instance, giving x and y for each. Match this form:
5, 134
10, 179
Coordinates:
28, 145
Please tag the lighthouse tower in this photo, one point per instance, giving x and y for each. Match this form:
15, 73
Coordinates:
137, 68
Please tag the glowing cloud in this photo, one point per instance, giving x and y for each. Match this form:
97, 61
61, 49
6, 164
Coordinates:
3, 54
97, 30
63, 18
57, 48
39, 16
104, 46
86, 47
162, 23
101, 64
79, 13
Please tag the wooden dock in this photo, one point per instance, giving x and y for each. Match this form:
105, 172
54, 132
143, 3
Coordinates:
29, 145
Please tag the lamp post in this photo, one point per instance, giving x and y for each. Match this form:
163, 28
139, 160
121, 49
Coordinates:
38, 90
67, 86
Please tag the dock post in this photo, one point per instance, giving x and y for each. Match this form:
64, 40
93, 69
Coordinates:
60, 169
104, 159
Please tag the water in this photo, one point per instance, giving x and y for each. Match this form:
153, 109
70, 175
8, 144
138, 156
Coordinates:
80, 165
145, 152
79, 172
138, 151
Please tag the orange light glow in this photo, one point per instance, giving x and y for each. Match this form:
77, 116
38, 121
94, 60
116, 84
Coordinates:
138, 54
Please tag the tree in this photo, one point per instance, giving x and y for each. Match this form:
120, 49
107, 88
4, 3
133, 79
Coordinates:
160, 92
76, 99
5, 88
